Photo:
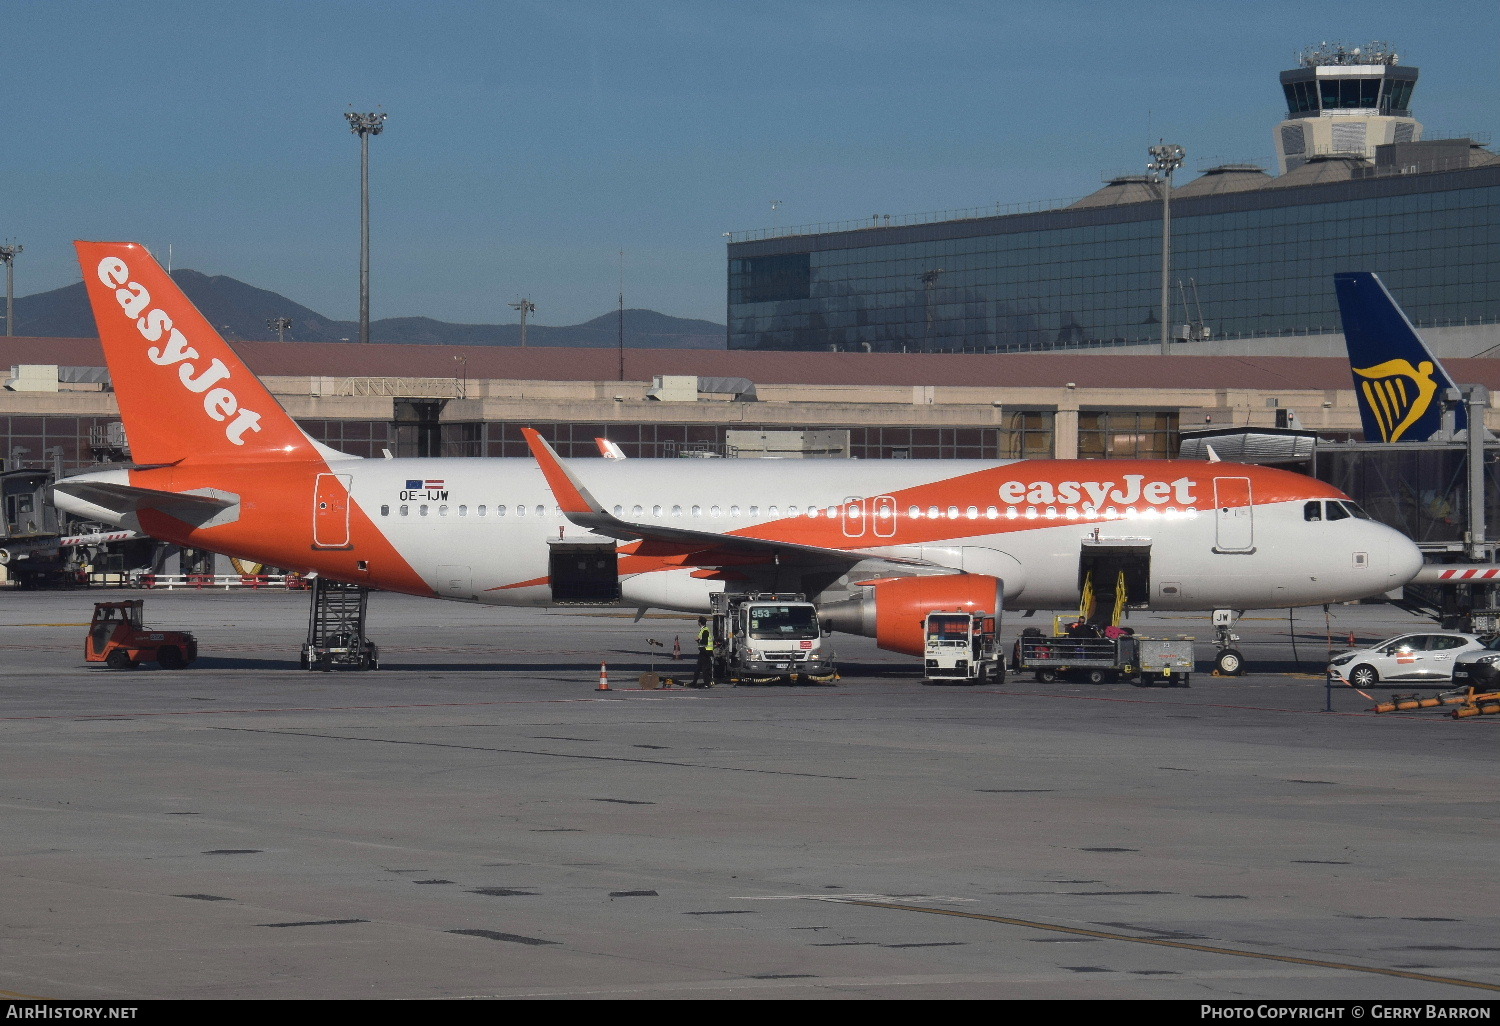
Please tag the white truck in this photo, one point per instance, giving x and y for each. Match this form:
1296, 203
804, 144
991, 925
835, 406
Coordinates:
962, 648
770, 637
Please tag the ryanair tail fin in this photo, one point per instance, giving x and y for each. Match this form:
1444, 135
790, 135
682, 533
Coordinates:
183, 392
1398, 382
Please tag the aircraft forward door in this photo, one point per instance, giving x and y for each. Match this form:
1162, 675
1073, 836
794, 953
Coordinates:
1234, 515
331, 512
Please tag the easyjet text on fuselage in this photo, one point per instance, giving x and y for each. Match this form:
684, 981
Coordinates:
1133, 490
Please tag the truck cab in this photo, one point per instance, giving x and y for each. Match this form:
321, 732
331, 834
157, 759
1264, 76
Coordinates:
962, 647
766, 637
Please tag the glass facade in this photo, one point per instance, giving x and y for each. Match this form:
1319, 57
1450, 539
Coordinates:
37, 442
84, 442
1257, 263
1117, 435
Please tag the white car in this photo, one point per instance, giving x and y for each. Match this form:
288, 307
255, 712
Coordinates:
1423, 657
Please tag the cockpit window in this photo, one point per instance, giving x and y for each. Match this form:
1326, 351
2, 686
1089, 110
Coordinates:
1312, 511
1336, 511
1353, 508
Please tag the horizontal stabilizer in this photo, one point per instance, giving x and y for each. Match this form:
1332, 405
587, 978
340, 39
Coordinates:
201, 508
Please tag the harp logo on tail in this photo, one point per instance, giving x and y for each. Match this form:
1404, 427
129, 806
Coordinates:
1398, 394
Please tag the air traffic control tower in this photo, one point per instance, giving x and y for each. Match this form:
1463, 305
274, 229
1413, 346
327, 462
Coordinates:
1345, 101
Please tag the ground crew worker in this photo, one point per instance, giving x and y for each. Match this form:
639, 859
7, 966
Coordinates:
704, 671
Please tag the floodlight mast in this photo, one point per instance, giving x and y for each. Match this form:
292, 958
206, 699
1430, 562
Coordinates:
526, 306
280, 326
1166, 158
8, 257
364, 126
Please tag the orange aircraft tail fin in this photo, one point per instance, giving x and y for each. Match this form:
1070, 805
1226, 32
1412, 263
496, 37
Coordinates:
183, 393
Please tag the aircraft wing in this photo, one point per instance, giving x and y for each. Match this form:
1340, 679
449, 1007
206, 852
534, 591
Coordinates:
581, 508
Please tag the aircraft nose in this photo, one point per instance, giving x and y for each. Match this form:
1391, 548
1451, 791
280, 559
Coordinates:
1403, 558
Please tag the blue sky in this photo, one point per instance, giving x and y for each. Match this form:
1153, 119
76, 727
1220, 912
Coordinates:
529, 142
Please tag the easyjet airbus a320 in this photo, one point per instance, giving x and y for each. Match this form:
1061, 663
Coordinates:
877, 544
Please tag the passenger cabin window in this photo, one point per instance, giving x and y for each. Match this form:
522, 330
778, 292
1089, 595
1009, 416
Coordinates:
385, 511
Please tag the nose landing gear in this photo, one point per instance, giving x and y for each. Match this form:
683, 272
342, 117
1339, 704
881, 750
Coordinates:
1228, 662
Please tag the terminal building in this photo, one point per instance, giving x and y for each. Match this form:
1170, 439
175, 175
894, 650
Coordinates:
1253, 254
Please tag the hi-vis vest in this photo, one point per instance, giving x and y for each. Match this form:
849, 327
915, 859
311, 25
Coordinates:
706, 639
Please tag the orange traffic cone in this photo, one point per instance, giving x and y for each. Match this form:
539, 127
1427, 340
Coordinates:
603, 678
1352, 642
677, 647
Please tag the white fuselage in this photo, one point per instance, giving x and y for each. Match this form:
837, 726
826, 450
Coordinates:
485, 532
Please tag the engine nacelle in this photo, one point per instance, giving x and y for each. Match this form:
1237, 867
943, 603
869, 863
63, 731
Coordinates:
892, 611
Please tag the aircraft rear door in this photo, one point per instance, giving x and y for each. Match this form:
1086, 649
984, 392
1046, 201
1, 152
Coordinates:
1234, 515
331, 512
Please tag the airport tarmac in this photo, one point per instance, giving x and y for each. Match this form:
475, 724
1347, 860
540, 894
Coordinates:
476, 820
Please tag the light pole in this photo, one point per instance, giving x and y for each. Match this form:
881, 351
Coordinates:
526, 306
364, 126
1165, 159
929, 281
279, 325
8, 254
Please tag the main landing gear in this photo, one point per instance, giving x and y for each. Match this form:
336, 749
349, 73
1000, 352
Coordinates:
1228, 662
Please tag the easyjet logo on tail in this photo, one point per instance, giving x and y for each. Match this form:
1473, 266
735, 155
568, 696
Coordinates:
219, 402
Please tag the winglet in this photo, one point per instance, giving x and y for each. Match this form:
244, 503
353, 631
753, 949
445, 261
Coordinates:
609, 450
572, 497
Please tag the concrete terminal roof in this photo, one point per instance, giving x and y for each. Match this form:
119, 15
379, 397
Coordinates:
1043, 370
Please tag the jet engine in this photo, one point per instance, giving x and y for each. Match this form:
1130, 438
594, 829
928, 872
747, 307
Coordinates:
892, 610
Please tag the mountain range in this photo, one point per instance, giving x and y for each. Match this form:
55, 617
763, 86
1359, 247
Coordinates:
241, 312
